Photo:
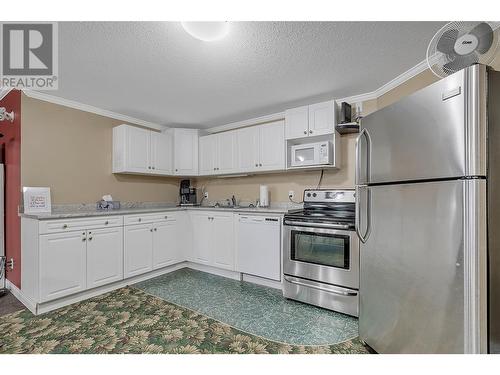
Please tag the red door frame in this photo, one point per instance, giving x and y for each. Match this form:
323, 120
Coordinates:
11, 144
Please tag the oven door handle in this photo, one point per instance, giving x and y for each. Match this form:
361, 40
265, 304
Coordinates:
330, 290
316, 225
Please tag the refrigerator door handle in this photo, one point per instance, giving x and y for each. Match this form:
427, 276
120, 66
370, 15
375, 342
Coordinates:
363, 237
363, 133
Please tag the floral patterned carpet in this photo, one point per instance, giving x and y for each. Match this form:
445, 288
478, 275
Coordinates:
130, 321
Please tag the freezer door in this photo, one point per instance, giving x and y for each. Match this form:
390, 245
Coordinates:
420, 271
437, 132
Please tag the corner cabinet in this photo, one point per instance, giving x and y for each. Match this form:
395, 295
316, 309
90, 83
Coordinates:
185, 152
310, 120
141, 151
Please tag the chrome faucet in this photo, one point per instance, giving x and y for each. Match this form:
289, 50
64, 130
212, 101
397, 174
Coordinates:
233, 199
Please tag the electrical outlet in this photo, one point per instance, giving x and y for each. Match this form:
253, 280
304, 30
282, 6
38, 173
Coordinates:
205, 195
291, 194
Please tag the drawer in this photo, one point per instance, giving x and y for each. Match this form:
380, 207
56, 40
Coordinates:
67, 225
150, 218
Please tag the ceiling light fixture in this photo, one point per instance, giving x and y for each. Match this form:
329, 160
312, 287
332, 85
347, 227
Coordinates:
207, 31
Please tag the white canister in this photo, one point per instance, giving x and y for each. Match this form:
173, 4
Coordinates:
264, 196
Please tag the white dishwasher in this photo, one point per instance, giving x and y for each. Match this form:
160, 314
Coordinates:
259, 246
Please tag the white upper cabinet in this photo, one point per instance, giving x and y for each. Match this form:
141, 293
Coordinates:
208, 154
227, 152
137, 150
272, 146
262, 148
248, 149
185, 152
161, 153
311, 120
297, 122
218, 153
322, 118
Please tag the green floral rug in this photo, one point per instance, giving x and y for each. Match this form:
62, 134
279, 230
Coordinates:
130, 321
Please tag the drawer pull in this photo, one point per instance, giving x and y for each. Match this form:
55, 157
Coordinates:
90, 238
139, 220
65, 226
106, 222
166, 217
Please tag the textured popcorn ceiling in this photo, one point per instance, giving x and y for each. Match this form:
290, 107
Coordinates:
155, 71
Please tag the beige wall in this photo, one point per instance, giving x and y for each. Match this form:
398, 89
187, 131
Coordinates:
247, 188
70, 151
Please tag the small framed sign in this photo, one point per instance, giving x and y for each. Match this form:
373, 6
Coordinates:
37, 200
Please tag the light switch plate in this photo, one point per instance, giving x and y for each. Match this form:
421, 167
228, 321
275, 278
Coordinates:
291, 194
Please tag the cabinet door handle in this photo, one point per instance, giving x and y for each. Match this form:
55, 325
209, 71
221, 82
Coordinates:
151, 230
260, 165
65, 226
90, 238
156, 229
256, 164
84, 239
166, 217
310, 131
106, 222
139, 220
305, 131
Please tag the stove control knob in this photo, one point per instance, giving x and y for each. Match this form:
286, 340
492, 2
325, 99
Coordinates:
308, 195
314, 195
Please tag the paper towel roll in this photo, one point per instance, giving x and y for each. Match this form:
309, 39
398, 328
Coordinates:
264, 196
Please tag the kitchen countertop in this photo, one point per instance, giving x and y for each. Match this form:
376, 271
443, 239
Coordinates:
76, 213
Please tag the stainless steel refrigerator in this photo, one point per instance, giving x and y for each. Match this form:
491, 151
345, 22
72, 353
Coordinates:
428, 210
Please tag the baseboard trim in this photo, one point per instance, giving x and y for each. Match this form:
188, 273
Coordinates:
41, 308
64, 301
16, 292
214, 270
262, 281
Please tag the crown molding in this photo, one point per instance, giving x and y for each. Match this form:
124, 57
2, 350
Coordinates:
91, 109
249, 122
402, 78
4, 91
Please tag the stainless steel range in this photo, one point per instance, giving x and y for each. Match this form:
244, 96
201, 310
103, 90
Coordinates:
321, 251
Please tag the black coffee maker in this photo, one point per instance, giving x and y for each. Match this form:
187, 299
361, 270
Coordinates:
187, 193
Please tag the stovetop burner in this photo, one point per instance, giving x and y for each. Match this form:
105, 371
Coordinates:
326, 206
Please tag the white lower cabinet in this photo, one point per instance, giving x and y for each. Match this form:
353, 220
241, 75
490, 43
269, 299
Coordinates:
62, 264
138, 249
202, 247
166, 249
213, 242
153, 245
223, 241
104, 256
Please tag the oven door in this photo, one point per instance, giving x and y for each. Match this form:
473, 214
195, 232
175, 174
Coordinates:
322, 254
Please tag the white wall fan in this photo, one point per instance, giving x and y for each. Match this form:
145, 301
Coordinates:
460, 44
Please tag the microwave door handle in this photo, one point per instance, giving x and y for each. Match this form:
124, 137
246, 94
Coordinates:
363, 237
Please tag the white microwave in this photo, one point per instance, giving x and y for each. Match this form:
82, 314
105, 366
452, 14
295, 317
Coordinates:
310, 154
